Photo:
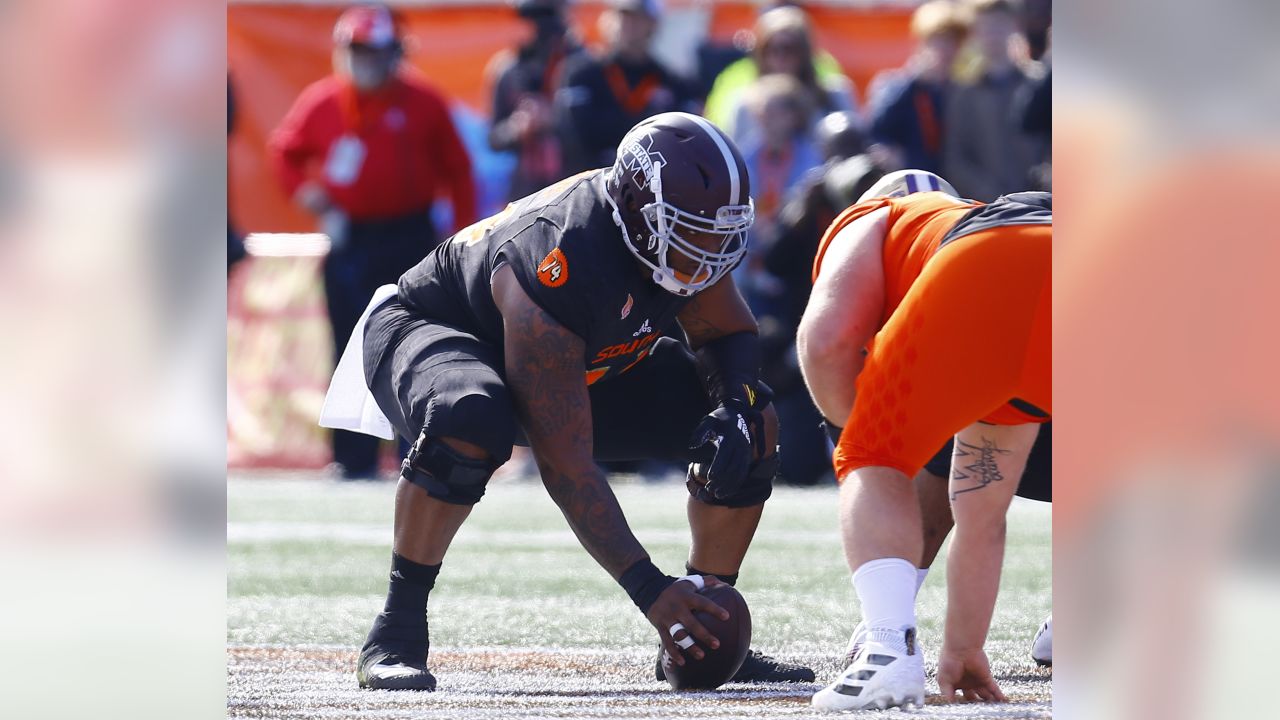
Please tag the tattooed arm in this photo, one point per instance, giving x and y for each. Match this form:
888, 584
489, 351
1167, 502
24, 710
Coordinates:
716, 312
985, 469
843, 314
545, 373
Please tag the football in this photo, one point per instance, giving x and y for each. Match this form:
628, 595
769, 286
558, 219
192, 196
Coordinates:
719, 665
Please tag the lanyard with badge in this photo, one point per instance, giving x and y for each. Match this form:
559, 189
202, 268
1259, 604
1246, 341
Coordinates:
347, 153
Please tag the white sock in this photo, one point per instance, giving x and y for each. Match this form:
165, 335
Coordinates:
886, 590
921, 574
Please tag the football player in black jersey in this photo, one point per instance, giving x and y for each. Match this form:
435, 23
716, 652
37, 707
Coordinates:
543, 325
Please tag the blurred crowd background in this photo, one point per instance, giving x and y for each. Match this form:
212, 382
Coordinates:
362, 135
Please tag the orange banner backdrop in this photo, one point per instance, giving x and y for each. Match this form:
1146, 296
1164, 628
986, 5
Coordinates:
275, 50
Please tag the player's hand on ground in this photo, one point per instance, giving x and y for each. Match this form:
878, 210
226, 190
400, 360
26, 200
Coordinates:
725, 443
968, 673
677, 604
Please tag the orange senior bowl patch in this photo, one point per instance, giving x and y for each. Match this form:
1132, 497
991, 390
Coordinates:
553, 271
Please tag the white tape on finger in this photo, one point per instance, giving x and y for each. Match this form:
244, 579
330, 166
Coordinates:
686, 643
677, 627
698, 582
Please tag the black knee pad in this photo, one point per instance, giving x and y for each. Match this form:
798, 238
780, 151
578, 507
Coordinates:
446, 474
756, 488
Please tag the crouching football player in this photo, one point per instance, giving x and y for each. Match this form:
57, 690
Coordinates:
544, 324
929, 319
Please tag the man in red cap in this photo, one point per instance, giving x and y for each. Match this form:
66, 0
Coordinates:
366, 151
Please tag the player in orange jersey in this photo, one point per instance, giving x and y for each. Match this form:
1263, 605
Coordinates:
929, 319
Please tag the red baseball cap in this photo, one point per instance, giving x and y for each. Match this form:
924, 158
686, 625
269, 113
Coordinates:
370, 25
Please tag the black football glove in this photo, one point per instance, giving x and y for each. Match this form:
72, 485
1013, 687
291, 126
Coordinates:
725, 442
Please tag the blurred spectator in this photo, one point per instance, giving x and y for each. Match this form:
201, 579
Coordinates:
364, 150
777, 158
601, 98
1034, 108
824, 191
235, 244
1037, 15
821, 194
783, 44
985, 152
908, 120
525, 82
713, 57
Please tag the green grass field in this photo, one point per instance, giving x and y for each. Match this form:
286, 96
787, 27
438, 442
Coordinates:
525, 624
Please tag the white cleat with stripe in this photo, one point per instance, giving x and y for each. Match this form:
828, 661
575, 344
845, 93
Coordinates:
1042, 645
888, 672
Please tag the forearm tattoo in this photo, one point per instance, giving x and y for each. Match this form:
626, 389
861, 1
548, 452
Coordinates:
976, 465
698, 329
593, 513
544, 371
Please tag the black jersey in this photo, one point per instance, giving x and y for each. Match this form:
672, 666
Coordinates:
569, 257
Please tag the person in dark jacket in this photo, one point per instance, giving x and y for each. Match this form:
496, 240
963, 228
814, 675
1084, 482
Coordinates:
524, 85
602, 97
908, 120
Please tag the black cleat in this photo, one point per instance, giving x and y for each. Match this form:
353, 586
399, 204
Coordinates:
380, 669
757, 668
394, 657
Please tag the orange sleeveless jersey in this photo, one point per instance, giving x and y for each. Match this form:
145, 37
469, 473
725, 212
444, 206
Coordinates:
917, 224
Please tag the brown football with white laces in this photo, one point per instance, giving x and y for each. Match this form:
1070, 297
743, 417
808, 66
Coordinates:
718, 665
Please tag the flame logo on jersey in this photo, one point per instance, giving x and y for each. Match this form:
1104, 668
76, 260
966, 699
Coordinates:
553, 271
636, 157
626, 309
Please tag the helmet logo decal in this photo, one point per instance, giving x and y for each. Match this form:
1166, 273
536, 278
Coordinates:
553, 271
640, 162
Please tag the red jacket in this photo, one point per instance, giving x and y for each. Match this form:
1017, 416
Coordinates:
407, 147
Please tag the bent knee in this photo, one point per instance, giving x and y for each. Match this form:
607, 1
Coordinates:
479, 425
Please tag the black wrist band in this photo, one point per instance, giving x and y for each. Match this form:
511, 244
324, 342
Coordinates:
644, 582
730, 367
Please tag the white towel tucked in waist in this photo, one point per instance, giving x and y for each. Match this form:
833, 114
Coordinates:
349, 405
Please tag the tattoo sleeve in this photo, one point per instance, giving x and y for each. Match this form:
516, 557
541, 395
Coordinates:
975, 464
545, 373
